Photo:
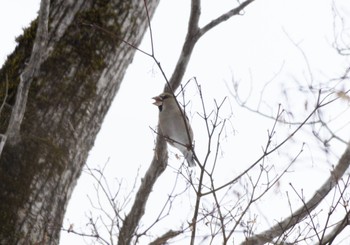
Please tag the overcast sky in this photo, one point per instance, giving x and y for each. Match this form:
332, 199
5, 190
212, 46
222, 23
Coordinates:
262, 46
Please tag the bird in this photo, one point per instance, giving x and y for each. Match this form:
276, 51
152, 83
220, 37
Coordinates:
172, 124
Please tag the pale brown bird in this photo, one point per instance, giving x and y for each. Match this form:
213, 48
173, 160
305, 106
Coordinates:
173, 127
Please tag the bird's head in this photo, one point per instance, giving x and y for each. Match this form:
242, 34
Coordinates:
162, 99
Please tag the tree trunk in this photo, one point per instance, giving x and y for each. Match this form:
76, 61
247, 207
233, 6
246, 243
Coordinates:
67, 101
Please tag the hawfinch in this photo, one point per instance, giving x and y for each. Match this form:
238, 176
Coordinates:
172, 125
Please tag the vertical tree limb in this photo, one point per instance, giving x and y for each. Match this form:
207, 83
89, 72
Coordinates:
156, 168
159, 162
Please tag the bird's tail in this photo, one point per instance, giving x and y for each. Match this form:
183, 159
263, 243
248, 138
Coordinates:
190, 159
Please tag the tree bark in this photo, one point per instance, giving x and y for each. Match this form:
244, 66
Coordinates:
68, 98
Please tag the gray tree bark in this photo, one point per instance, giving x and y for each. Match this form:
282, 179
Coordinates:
80, 72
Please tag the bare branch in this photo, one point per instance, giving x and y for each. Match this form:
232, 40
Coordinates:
224, 17
193, 35
156, 168
165, 237
267, 151
159, 161
337, 229
191, 39
320, 194
111, 34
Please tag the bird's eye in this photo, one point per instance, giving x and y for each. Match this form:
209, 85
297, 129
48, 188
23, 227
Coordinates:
165, 97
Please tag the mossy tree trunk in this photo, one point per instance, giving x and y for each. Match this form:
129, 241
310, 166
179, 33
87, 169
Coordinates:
67, 101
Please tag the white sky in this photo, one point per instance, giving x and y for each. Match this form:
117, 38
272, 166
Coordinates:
252, 48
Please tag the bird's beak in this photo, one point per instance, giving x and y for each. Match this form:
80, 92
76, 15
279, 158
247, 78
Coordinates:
158, 101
